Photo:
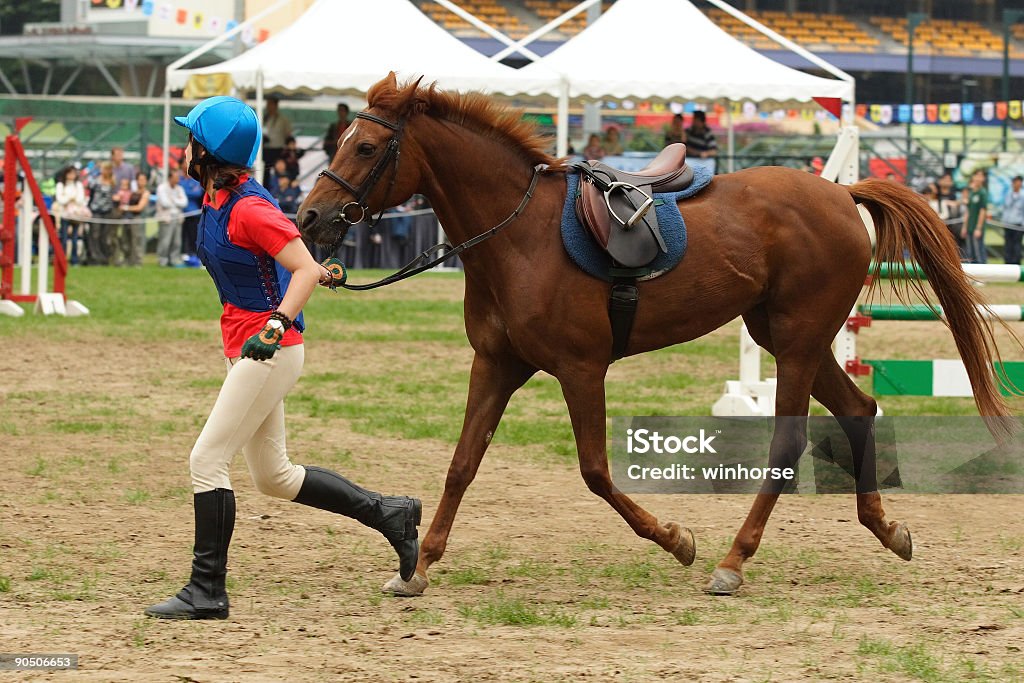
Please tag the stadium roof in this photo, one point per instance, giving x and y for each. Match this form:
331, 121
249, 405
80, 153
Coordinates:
342, 45
669, 48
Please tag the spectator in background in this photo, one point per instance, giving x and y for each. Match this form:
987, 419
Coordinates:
277, 128
1013, 215
122, 169
288, 196
593, 150
950, 200
973, 231
190, 223
70, 207
99, 241
136, 211
334, 131
170, 204
675, 131
612, 142
280, 170
700, 141
291, 155
122, 232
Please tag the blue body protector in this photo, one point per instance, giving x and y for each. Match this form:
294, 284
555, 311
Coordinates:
243, 279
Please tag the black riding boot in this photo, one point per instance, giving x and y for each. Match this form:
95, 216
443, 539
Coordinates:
394, 516
205, 596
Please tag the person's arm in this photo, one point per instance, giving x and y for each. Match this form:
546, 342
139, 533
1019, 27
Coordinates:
180, 198
980, 225
140, 206
712, 146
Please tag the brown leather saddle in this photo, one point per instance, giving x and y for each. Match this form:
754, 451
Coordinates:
616, 206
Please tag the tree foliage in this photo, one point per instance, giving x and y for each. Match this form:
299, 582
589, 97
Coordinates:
14, 14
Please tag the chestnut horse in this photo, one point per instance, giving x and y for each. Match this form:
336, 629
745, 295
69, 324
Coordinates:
784, 249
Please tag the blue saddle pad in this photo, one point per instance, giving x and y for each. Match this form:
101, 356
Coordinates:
584, 250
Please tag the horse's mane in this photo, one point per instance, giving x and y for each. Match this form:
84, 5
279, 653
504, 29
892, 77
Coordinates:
472, 110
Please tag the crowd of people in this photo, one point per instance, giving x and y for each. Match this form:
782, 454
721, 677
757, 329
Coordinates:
969, 210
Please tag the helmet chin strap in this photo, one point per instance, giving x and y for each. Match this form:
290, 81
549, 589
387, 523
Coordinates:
195, 166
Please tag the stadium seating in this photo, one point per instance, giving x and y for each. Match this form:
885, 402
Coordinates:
943, 36
817, 32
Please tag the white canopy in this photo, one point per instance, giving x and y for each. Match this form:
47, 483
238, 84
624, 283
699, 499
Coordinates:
669, 48
339, 45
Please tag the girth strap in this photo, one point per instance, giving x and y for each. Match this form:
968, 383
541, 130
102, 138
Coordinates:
622, 305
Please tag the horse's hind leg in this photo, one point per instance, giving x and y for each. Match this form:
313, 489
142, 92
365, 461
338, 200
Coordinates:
797, 353
856, 412
493, 380
583, 389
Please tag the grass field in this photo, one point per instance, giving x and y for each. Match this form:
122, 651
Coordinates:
99, 414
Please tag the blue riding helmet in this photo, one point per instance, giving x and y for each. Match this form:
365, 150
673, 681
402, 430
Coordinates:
226, 127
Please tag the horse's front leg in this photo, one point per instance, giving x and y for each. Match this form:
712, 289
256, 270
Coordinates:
583, 389
492, 381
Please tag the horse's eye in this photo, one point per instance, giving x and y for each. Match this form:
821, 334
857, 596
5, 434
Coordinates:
365, 149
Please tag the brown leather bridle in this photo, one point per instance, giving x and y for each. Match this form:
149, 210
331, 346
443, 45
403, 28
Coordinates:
391, 153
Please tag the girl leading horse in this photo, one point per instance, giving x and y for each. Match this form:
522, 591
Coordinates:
784, 249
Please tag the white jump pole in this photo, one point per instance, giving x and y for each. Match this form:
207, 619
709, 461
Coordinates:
25, 243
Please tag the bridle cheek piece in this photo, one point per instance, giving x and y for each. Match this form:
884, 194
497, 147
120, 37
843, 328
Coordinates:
391, 153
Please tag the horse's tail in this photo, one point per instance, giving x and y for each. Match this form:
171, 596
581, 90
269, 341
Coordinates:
906, 225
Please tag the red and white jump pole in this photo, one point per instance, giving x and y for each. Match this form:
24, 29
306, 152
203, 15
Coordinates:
46, 302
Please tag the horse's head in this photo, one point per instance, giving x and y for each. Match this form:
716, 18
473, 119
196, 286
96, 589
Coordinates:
370, 171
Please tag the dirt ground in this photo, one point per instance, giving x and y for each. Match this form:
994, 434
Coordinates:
541, 580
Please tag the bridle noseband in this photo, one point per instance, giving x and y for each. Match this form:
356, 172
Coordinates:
391, 152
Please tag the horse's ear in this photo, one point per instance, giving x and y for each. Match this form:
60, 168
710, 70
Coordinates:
418, 105
392, 80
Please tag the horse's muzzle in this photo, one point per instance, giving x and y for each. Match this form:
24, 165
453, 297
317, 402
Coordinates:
321, 227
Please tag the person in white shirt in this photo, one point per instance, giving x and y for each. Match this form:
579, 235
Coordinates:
71, 208
170, 206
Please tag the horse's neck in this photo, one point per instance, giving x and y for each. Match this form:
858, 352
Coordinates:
473, 184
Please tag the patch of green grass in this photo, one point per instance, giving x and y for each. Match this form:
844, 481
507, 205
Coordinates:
5, 584
912, 660
38, 469
470, 576
136, 496
139, 628
425, 617
687, 618
503, 611
640, 574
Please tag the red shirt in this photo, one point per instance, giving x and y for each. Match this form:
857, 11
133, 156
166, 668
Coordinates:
258, 226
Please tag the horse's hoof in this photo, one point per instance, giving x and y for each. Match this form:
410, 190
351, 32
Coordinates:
412, 588
686, 547
901, 543
723, 582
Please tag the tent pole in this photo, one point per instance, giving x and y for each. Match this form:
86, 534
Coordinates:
491, 31
782, 40
258, 166
562, 148
732, 136
167, 127
550, 26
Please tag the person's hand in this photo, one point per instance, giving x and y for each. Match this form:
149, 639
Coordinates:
336, 274
261, 346
977, 234
963, 234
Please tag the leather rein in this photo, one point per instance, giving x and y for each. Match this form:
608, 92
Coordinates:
423, 261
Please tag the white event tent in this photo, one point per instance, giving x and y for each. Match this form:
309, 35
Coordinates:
348, 45
670, 49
